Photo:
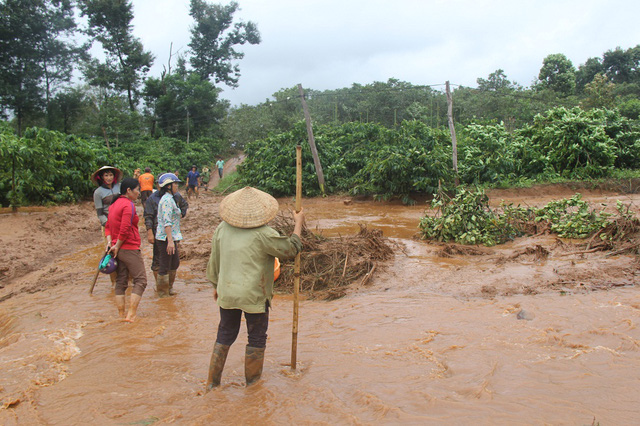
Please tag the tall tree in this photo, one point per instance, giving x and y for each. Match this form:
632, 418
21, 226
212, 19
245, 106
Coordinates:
622, 66
36, 53
496, 81
599, 93
214, 38
126, 60
58, 54
182, 103
587, 71
67, 110
558, 74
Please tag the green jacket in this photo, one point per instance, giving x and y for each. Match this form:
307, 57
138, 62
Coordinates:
241, 264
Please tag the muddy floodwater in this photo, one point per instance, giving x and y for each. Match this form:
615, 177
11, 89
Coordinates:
494, 338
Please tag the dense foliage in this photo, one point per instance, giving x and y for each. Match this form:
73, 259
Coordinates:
384, 138
370, 159
467, 218
45, 166
361, 158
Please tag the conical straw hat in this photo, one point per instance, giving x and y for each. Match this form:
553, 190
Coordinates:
116, 172
248, 208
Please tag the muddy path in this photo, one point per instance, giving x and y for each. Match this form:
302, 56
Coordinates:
526, 332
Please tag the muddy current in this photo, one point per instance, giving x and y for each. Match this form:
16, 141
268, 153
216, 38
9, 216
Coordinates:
500, 336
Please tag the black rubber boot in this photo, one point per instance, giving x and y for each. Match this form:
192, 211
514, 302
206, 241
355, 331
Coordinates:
253, 363
218, 358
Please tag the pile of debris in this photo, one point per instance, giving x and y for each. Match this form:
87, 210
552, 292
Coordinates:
329, 266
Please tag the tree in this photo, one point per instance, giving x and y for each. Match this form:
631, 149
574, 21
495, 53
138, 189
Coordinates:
622, 66
127, 62
600, 93
67, 109
183, 104
36, 53
213, 41
57, 55
497, 81
558, 74
587, 71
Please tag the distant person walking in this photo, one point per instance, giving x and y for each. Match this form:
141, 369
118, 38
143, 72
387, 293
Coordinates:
123, 239
206, 176
146, 184
193, 181
220, 166
168, 233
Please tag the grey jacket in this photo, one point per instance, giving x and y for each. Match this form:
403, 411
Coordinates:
103, 197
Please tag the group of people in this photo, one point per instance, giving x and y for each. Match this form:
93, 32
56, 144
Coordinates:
240, 267
163, 210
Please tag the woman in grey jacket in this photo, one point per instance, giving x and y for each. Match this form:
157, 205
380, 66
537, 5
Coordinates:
108, 180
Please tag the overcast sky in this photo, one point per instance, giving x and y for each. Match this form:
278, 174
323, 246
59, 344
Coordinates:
330, 44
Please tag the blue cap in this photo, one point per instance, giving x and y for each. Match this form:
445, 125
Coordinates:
167, 178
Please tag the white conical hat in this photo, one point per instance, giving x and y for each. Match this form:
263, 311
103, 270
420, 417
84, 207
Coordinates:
248, 208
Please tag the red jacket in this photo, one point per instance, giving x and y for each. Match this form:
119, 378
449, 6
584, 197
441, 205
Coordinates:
122, 224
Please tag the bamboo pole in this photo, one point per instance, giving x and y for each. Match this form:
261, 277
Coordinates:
296, 268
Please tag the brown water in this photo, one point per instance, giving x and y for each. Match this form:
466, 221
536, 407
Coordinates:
412, 348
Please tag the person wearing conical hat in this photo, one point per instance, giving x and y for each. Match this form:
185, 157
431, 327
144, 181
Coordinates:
243, 252
108, 180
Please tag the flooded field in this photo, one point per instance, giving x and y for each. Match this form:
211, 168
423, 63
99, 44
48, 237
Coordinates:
499, 337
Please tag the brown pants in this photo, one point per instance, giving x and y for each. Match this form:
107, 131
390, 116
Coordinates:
130, 263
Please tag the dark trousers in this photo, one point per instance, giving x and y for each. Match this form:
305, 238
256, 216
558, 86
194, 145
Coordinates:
144, 195
167, 263
229, 327
155, 261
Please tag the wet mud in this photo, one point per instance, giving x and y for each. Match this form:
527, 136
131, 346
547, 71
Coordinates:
532, 331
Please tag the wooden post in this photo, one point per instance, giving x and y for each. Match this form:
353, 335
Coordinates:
187, 127
296, 267
312, 141
452, 129
14, 207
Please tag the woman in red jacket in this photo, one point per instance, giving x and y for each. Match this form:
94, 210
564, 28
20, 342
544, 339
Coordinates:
124, 239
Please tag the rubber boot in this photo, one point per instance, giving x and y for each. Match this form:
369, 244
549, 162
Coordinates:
172, 279
162, 285
253, 362
120, 302
218, 358
133, 307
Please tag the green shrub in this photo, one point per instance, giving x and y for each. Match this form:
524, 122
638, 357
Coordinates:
468, 219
